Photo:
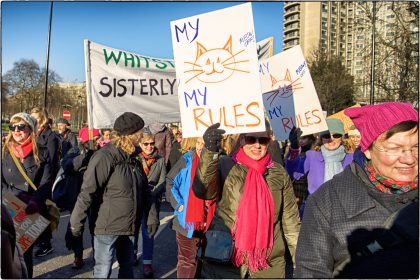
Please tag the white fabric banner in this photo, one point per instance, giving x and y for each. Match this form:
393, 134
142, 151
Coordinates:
119, 81
289, 94
217, 70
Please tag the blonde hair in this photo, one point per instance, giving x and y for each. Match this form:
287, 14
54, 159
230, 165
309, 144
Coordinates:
147, 136
188, 144
123, 142
10, 140
230, 143
43, 116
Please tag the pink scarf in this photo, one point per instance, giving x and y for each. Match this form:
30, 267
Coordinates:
253, 229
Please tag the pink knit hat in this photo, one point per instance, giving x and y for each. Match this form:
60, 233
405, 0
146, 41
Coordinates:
373, 120
84, 134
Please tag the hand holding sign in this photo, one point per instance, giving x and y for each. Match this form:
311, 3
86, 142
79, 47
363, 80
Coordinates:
213, 137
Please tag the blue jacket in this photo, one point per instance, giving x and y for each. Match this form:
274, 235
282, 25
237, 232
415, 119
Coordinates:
181, 188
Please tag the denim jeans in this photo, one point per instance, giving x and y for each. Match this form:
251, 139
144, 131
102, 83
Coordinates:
147, 242
106, 246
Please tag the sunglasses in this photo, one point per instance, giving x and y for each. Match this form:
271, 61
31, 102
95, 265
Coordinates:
20, 127
328, 136
149, 143
249, 140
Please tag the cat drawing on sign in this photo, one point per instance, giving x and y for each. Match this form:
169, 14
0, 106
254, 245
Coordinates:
284, 88
215, 65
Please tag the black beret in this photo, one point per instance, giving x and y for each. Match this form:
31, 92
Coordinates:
128, 123
62, 120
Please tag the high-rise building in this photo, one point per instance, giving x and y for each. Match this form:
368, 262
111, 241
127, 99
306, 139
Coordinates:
344, 29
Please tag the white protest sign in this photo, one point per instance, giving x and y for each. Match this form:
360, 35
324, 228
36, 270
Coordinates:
119, 81
28, 227
290, 98
217, 69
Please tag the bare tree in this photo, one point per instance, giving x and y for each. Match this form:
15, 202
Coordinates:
396, 43
334, 85
26, 83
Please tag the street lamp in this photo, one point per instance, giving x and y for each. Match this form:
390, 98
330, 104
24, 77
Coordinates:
372, 65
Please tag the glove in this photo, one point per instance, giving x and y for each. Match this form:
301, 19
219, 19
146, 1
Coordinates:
32, 207
152, 229
69, 238
294, 136
212, 137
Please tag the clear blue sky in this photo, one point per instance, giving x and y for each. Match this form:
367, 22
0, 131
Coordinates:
139, 27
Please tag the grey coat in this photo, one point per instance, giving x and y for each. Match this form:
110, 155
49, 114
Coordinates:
347, 203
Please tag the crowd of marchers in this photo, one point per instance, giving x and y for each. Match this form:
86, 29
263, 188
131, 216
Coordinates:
342, 203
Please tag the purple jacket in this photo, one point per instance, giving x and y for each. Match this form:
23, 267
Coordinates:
313, 165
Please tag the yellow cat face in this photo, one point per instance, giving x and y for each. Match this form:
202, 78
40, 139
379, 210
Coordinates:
214, 65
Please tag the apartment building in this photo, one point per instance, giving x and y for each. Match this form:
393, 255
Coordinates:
345, 29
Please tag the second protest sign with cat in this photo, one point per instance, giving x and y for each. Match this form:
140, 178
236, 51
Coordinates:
217, 70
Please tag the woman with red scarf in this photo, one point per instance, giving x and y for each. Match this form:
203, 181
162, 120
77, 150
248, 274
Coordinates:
35, 161
256, 205
192, 215
155, 170
361, 223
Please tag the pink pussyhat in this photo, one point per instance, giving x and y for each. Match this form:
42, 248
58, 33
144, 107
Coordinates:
373, 120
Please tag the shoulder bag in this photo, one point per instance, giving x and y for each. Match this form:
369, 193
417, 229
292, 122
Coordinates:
217, 246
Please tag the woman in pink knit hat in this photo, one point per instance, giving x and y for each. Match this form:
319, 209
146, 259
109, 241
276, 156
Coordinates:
364, 222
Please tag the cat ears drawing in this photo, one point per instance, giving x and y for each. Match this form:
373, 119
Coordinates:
215, 65
284, 88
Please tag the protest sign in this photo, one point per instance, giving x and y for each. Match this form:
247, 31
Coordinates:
265, 48
28, 227
217, 69
289, 95
118, 81
346, 120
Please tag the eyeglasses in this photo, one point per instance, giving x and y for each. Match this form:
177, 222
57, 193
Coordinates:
149, 143
397, 151
20, 127
328, 136
249, 140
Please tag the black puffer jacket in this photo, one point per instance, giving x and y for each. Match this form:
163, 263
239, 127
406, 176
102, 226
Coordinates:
114, 184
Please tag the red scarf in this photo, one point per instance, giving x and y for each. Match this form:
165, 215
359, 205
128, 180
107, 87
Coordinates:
199, 212
253, 229
387, 185
148, 161
21, 151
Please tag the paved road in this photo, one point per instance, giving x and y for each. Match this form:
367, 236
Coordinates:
58, 263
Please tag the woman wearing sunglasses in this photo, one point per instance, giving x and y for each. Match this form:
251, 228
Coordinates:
21, 143
155, 170
364, 222
327, 158
256, 206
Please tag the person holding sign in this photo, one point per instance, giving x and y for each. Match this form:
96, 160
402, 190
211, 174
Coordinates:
21, 145
256, 206
325, 160
115, 186
364, 222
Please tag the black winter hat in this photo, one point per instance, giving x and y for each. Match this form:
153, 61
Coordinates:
128, 123
62, 120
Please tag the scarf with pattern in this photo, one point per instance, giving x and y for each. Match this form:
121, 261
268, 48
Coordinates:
148, 160
387, 185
